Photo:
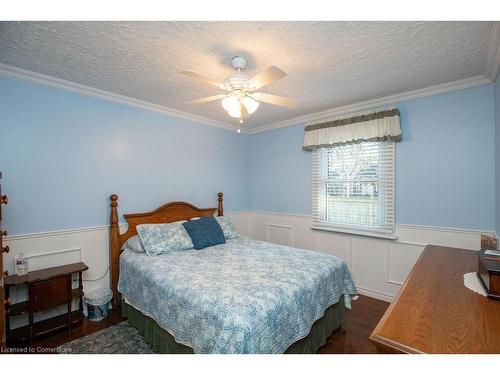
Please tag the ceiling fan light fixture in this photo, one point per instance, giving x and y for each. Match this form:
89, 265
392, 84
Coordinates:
236, 113
240, 99
250, 104
231, 104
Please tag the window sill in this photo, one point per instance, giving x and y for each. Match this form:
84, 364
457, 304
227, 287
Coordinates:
356, 233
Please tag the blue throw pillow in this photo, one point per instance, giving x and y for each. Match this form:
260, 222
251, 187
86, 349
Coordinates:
204, 232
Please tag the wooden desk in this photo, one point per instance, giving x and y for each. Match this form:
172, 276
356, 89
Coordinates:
435, 313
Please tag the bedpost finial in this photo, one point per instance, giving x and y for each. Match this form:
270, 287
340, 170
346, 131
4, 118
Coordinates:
113, 219
220, 208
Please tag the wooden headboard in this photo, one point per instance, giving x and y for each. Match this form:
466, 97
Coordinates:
168, 213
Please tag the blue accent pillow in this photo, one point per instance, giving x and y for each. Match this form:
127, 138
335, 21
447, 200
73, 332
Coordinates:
204, 232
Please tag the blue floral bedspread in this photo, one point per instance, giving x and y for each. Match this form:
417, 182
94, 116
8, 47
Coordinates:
244, 296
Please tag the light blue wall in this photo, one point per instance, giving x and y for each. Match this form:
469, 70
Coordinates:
497, 154
62, 154
280, 172
443, 165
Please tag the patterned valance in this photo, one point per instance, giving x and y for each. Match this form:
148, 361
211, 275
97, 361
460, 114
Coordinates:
372, 126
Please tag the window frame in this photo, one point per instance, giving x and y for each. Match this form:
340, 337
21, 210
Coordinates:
386, 199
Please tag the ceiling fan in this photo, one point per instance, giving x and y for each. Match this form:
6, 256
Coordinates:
242, 100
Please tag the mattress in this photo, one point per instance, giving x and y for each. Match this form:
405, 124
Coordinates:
244, 296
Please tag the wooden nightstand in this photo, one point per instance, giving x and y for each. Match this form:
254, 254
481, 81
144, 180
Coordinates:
47, 288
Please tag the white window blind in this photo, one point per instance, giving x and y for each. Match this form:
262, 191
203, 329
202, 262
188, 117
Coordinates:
353, 188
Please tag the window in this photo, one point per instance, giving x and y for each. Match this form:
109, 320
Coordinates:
353, 188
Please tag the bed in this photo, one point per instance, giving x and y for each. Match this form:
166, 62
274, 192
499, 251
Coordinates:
244, 296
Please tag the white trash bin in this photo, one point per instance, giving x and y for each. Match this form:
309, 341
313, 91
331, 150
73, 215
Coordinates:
97, 302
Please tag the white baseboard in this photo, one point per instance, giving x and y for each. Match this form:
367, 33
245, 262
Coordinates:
376, 295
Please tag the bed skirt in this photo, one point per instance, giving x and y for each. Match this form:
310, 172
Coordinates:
161, 341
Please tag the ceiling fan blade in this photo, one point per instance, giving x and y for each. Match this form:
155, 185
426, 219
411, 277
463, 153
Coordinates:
199, 77
275, 99
206, 99
266, 77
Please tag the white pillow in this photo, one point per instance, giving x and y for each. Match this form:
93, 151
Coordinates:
134, 243
228, 227
164, 238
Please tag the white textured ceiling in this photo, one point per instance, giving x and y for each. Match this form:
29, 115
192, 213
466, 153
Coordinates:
329, 64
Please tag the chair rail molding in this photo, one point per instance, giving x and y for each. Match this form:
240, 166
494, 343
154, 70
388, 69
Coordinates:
379, 266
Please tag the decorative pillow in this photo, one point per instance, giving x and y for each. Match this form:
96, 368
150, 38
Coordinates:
164, 238
134, 243
204, 232
228, 227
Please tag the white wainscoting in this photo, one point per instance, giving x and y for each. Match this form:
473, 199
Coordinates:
379, 267
55, 248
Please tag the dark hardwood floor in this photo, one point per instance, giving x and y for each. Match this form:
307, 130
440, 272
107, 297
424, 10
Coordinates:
85, 328
351, 338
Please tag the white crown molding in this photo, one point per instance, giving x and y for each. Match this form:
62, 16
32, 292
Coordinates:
493, 60
117, 98
380, 102
493, 65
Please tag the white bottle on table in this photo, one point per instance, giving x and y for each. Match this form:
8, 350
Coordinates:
22, 264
